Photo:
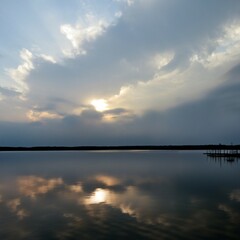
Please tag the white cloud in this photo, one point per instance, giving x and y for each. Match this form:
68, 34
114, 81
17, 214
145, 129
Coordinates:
226, 49
166, 90
48, 58
170, 88
161, 60
22, 71
128, 2
118, 14
82, 33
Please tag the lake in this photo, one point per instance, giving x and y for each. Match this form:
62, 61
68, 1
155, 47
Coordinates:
118, 195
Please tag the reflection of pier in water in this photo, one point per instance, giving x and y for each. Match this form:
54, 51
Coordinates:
220, 155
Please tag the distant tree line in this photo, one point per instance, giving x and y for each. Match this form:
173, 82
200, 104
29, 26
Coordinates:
137, 147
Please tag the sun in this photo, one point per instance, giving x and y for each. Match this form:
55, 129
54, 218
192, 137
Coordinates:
100, 104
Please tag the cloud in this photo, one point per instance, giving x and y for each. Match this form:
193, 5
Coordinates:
29, 62
177, 125
155, 126
158, 68
22, 71
165, 91
48, 58
128, 2
82, 33
226, 50
38, 116
6, 92
137, 58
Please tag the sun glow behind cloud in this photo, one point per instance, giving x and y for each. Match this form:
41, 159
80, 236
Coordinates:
100, 104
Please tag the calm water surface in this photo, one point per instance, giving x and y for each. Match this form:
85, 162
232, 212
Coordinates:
118, 195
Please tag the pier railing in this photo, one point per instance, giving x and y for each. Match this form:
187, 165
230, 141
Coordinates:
227, 154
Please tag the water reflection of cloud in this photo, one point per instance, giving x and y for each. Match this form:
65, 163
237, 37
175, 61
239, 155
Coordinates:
131, 202
73, 217
235, 195
150, 204
77, 188
31, 186
15, 207
22, 213
14, 204
233, 215
108, 180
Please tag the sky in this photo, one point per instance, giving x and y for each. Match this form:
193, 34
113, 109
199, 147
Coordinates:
119, 72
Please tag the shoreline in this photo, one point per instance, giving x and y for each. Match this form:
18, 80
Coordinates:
119, 148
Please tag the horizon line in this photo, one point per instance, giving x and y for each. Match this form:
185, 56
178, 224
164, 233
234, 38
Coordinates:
121, 147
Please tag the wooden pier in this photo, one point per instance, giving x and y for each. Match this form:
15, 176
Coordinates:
229, 154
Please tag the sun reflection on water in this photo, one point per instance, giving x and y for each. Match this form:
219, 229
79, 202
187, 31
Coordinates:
99, 196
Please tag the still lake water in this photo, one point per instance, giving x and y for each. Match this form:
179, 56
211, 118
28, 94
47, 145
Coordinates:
118, 195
